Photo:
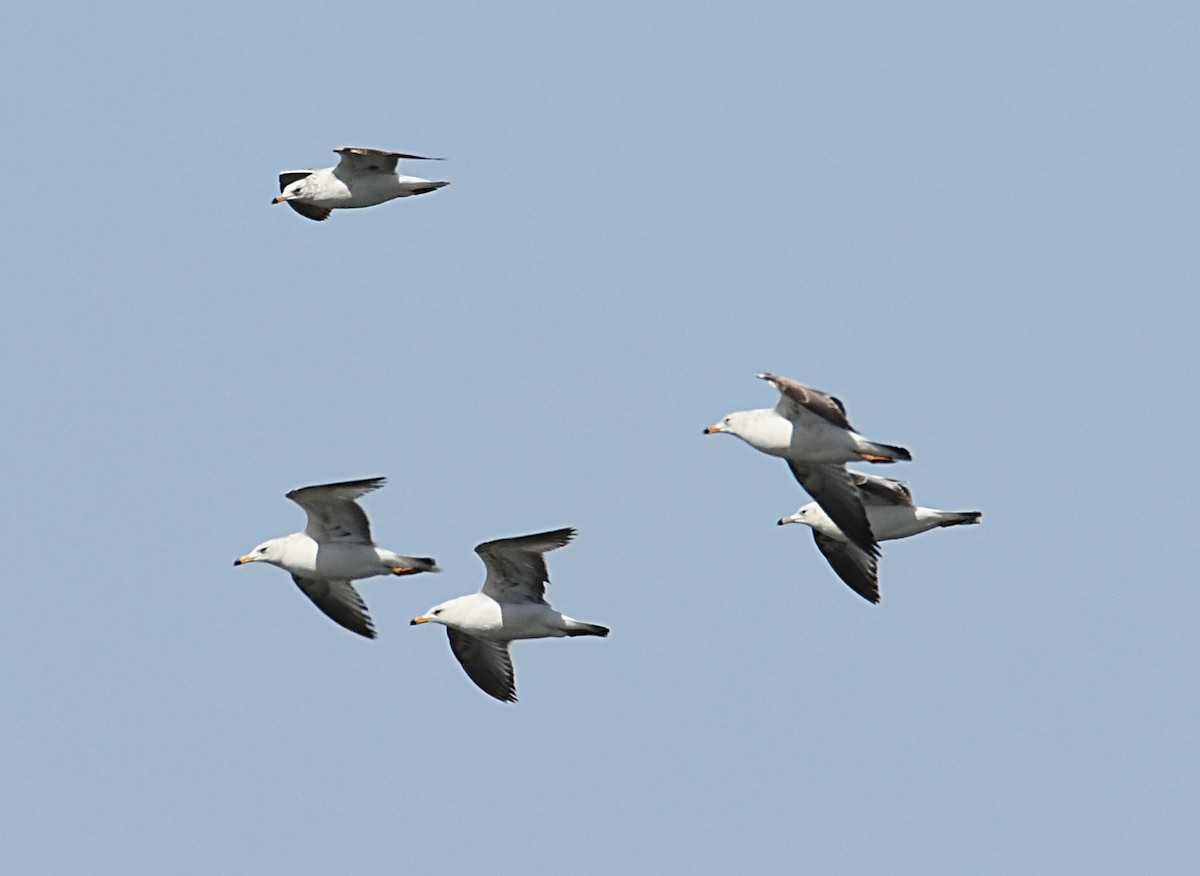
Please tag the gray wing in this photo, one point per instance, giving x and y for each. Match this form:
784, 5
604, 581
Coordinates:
356, 159
856, 568
516, 569
835, 491
333, 515
875, 490
796, 399
340, 602
487, 663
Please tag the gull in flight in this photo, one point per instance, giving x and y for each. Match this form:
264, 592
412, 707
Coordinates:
893, 514
362, 178
334, 549
809, 430
511, 605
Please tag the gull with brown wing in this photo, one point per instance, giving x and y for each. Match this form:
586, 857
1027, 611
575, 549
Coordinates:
893, 514
334, 549
362, 178
809, 429
510, 606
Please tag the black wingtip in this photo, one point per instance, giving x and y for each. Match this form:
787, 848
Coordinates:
366, 630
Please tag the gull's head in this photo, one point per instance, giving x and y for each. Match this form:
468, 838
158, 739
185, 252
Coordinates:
458, 613
723, 426
267, 552
435, 615
734, 424
298, 189
805, 515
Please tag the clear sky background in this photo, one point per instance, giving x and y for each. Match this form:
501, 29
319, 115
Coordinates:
976, 224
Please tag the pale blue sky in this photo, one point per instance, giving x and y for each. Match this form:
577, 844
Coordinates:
975, 224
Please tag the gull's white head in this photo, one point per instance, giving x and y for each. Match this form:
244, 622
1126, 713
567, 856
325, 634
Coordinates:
439, 614
458, 613
731, 423
762, 429
267, 552
301, 188
807, 514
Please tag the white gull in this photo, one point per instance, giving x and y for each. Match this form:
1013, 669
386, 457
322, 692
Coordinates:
511, 605
809, 429
334, 549
362, 178
893, 514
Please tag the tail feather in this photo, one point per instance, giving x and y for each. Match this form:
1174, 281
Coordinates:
418, 564
424, 187
877, 452
960, 518
584, 629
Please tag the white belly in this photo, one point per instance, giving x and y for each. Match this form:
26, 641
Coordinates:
896, 521
365, 191
347, 561
529, 620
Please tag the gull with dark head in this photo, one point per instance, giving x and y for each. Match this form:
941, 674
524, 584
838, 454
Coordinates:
363, 178
810, 431
510, 606
893, 514
335, 549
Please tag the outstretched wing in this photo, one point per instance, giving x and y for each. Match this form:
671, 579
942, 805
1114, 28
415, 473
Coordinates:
856, 568
837, 494
333, 515
487, 663
797, 400
356, 159
340, 602
516, 569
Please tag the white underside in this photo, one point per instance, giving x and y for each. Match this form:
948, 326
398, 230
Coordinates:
479, 615
304, 557
814, 441
887, 521
360, 191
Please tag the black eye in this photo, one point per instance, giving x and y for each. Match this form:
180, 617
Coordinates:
262, 550
437, 611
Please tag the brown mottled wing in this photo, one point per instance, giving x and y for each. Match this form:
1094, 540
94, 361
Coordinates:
795, 399
516, 569
487, 663
356, 159
340, 602
831, 485
875, 490
333, 515
854, 567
